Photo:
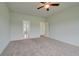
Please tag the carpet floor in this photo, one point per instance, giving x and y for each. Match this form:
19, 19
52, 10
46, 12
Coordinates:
40, 47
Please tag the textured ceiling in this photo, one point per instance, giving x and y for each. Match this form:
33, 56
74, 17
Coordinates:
30, 8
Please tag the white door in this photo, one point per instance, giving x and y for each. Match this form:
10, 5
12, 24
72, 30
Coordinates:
42, 28
46, 29
26, 29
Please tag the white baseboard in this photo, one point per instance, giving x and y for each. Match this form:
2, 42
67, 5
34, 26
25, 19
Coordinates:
71, 43
24, 38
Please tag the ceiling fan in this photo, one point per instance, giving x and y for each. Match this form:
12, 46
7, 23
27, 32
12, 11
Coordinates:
47, 5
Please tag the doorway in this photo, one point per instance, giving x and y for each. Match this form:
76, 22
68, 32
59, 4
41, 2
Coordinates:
26, 29
44, 29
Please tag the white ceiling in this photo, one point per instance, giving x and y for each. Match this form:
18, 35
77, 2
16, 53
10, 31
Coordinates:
31, 8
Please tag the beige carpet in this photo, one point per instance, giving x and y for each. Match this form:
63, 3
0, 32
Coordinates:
40, 47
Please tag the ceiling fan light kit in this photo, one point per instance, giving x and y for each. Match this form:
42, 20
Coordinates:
47, 6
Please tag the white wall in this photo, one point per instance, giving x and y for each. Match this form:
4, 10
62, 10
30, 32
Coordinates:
64, 25
17, 27
4, 26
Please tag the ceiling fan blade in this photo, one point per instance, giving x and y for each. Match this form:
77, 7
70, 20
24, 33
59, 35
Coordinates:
47, 9
40, 7
43, 2
54, 4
